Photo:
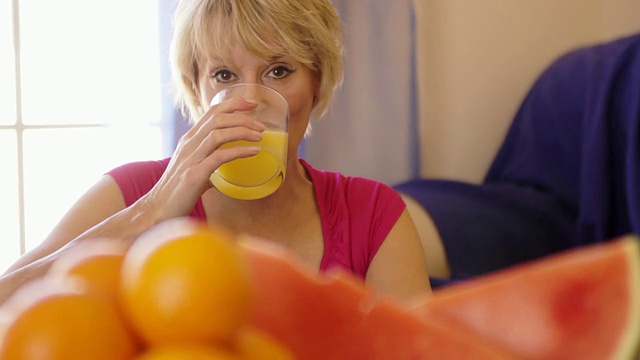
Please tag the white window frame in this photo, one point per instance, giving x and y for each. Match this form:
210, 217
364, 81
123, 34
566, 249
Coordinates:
19, 127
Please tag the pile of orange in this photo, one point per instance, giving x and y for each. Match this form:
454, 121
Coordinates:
181, 291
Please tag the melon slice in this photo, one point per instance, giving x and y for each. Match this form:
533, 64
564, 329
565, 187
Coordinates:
580, 304
335, 316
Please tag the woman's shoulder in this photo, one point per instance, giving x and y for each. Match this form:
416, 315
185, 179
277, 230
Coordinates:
145, 167
136, 178
351, 185
357, 214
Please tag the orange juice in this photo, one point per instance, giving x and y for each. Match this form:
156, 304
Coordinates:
257, 176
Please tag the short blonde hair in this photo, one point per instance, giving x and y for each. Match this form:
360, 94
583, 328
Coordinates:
308, 30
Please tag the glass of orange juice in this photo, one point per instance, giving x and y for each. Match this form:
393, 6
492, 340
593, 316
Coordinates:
260, 175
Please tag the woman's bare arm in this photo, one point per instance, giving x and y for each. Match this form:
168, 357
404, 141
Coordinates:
399, 268
99, 213
434, 250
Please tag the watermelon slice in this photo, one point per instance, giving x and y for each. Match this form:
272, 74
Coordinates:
335, 316
581, 304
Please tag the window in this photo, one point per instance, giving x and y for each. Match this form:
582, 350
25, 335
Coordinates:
82, 95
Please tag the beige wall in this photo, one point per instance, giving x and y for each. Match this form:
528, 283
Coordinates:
477, 59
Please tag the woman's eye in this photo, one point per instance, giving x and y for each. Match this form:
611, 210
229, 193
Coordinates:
223, 76
279, 72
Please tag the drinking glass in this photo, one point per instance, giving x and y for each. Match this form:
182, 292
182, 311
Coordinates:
260, 175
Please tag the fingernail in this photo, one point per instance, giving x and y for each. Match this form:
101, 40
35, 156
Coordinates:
260, 126
257, 135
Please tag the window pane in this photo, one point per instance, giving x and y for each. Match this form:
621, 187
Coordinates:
9, 225
7, 65
60, 165
89, 62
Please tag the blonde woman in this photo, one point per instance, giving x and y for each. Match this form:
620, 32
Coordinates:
327, 219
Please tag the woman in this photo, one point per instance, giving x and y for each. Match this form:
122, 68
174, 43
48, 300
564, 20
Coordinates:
294, 47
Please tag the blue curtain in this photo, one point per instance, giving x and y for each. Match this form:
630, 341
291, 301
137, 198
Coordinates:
371, 129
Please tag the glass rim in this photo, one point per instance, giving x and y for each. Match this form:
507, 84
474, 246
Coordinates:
252, 85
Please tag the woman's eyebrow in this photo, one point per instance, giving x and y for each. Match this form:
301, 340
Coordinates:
277, 58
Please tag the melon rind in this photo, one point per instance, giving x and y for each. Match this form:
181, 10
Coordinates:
630, 344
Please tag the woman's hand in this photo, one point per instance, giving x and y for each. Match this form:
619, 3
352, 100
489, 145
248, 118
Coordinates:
199, 154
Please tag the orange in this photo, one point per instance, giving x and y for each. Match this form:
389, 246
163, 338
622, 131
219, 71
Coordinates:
256, 345
97, 263
183, 282
52, 319
187, 352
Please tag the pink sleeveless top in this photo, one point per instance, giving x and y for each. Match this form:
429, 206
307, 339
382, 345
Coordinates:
356, 213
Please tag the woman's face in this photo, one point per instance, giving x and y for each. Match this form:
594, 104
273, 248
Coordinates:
293, 80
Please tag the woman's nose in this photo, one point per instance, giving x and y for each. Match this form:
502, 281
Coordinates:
255, 92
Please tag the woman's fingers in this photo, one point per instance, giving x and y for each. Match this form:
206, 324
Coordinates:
223, 117
201, 151
214, 140
221, 156
222, 128
230, 106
